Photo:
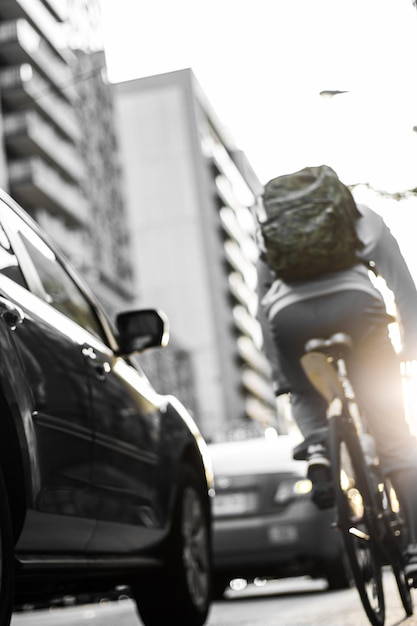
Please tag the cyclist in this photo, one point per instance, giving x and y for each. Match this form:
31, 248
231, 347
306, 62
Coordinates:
348, 301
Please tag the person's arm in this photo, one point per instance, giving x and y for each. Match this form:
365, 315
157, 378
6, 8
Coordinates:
265, 280
391, 265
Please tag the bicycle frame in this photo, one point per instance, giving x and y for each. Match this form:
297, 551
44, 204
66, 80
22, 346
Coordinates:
369, 524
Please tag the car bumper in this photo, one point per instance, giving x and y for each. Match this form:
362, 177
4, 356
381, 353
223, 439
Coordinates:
300, 533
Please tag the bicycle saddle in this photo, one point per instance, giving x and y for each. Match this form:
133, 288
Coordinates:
322, 375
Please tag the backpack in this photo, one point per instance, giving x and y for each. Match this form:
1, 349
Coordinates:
308, 227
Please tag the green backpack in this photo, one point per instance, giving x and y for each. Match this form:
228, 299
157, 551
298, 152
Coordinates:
308, 226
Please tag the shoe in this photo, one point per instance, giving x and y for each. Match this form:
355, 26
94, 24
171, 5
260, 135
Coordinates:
318, 472
410, 568
319, 436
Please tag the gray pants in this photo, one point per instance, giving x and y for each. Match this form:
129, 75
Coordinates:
373, 368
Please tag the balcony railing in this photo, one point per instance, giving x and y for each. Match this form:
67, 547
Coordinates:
44, 20
234, 229
266, 413
27, 133
257, 385
243, 293
228, 196
248, 325
20, 43
240, 263
34, 184
252, 355
59, 8
21, 85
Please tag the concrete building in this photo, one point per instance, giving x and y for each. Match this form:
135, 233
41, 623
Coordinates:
56, 157
59, 153
188, 190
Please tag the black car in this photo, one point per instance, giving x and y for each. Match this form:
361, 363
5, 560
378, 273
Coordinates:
103, 481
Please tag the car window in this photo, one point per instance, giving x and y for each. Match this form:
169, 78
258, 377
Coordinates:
9, 265
62, 292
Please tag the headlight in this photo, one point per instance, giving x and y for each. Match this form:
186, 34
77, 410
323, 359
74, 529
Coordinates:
291, 488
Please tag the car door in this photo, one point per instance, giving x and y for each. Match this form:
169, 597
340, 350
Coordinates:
127, 426
49, 342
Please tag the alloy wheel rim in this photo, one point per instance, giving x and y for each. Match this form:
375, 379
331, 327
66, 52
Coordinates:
195, 548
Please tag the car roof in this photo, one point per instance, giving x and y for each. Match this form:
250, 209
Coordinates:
255, 456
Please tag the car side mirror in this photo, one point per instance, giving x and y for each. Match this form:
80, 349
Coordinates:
138, 330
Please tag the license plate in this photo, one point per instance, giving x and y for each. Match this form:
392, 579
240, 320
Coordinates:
285, 533
233, 504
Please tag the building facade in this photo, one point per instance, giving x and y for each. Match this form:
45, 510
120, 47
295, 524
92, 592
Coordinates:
59, 153
188, 193
57, 158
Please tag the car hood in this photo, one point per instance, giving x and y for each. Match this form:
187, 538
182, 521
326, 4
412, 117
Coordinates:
255, 456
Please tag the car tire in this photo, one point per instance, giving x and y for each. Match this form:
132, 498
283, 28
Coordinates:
6, 558
339, 574
220, 584
181, 592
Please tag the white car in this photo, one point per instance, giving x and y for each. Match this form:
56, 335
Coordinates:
265, 525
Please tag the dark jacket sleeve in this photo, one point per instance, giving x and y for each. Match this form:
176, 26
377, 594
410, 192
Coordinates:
391, 265
265, 279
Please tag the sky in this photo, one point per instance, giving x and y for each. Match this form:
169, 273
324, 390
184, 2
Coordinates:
262, 65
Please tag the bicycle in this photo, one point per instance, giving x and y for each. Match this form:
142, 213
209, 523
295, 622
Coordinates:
367, 510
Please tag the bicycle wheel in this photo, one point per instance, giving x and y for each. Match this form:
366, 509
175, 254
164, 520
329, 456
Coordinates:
403, 587
356, 509
394, 542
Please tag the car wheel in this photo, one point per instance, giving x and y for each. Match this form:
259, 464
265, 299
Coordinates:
6, 559
339, 574
220, 584
181, 592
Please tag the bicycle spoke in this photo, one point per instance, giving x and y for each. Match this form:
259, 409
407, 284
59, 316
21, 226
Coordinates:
355, 521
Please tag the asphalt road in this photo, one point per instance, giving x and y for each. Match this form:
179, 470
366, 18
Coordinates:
291, 602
